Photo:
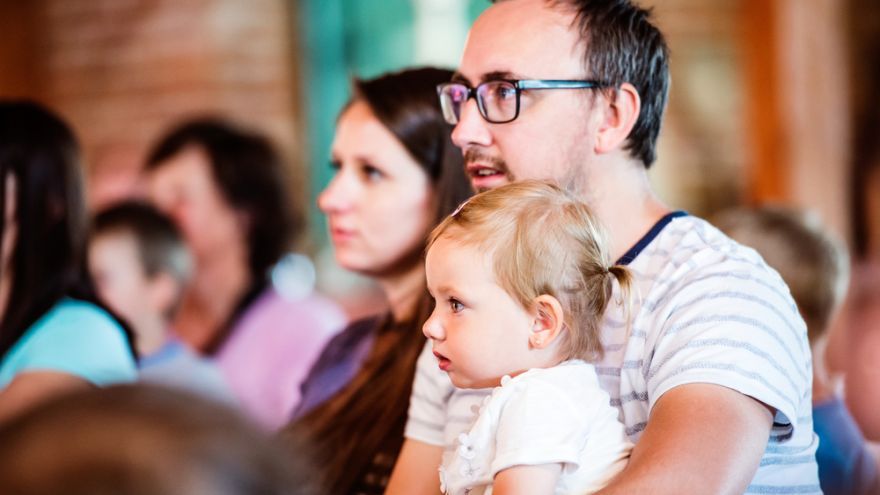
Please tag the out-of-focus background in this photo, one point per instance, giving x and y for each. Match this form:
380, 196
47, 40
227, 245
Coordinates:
772, 100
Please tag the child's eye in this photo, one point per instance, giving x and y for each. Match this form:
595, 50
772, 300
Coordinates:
455, 305
335, 165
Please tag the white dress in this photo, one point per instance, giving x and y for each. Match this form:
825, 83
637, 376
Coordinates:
543, 416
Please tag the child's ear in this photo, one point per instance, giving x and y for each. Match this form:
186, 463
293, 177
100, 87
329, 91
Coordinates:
548, 323
164, 291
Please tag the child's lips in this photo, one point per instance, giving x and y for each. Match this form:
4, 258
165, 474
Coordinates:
442, 361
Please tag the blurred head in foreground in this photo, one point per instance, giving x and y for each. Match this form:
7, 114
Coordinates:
139, 440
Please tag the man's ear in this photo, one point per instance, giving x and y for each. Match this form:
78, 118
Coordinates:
549, 321
620, 116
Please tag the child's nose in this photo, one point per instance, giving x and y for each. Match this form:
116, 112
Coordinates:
432, 328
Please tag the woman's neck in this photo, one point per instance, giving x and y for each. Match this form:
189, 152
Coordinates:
403, 291
220, 283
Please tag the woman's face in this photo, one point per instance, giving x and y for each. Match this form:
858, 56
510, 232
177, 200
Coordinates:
184, 189
380, 203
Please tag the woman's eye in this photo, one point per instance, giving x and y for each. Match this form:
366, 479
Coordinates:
372, 173
455, 305
335, 165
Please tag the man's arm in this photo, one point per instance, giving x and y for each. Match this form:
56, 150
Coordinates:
700, 438
415, 472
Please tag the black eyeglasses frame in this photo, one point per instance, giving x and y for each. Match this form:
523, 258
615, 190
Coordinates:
519, 86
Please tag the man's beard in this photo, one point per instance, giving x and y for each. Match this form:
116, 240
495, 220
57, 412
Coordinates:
572, 180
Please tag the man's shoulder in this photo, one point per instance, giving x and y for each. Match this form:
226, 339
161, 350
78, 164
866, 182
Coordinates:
693, 269
691, 249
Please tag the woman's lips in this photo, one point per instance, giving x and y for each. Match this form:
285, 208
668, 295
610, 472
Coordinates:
341, 235
442, 361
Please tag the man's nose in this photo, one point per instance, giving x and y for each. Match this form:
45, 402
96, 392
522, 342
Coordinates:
471, 128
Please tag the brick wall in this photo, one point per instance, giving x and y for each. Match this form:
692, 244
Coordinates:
123, 71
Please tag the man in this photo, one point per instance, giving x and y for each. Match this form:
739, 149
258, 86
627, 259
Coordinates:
711, 370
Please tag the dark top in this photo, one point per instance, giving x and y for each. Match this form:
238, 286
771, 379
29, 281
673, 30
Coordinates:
338, 363
846, 466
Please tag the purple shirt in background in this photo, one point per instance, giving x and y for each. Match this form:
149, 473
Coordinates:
271, 350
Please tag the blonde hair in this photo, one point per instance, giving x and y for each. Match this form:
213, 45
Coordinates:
544, 241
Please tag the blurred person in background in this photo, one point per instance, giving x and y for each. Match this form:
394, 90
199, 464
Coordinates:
854, 347
54, 335
815, 266
143, 440
141, 267
224, 188
397, 174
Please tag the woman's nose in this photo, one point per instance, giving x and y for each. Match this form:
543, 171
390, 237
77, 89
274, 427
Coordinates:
335, 197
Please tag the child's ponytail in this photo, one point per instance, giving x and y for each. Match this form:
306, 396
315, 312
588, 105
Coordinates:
625, 281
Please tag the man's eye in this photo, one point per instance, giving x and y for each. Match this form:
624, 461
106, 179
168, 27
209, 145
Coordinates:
505, 93
455, 305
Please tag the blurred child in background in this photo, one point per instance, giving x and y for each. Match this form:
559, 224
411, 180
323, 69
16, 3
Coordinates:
141, 268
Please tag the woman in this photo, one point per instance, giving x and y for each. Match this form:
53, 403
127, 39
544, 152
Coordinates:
397, 175
54, 337
223, 187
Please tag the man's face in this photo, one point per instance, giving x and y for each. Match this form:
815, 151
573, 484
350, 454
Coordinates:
553, 136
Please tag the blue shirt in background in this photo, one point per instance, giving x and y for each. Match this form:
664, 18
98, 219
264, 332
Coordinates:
74, 337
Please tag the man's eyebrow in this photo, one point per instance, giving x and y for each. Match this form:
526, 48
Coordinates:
458, 77
498, 74
488, 76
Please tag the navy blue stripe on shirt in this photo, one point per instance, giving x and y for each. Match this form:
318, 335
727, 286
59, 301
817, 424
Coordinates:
634, 251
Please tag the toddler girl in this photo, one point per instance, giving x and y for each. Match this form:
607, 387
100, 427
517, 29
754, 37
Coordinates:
521, 277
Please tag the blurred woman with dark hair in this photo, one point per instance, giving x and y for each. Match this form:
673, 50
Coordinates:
224, 188
397, 175
54, 335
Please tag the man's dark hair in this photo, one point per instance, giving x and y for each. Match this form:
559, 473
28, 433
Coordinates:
160, 246
250, 175
622, 45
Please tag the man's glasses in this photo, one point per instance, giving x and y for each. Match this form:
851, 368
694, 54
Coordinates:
498, 100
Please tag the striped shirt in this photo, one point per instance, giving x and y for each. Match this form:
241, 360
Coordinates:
705, 310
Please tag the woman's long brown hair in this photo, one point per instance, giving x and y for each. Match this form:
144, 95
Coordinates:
368, 415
